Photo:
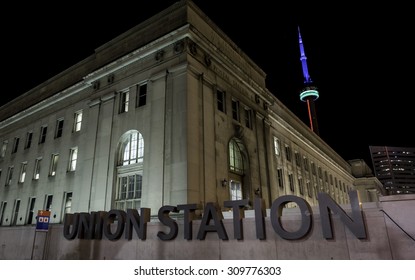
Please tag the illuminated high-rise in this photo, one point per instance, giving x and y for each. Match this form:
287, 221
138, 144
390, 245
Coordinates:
395, 168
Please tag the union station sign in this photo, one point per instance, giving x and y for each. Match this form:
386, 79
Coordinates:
114, 224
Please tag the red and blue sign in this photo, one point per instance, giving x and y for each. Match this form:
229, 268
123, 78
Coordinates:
43, 218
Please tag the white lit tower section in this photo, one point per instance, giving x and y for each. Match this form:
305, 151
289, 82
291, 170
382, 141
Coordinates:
309, 93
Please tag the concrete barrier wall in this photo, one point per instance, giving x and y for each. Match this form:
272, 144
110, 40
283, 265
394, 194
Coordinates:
390, 232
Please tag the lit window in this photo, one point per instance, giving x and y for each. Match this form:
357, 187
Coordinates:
130, 171
124, 101
77, 121
53, 164
235, 157
73, 156
276, 146
9, 176
22, 174
235, 190
36, 173
48, 202
133, 149
3, 149
67, 207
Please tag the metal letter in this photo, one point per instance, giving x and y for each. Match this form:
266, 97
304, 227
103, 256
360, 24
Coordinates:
165, 219
355, 223
138, 222
238, 214
276, 209
111, 216
70, 220
259, 206
189, 216
212, 212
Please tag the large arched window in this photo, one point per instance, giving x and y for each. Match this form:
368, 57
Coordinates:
132, 148
237, 169
129, 171
235, 158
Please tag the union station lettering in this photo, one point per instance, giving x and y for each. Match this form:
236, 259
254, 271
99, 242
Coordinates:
96, 224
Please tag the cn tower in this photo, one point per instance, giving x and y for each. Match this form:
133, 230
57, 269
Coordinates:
309, 93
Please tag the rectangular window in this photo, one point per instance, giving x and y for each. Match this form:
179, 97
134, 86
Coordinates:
48, 202
16, 209
306, 167
276, 146
280, 178
291, 181
73, 156
9, 176
235, 190
53, 164
22, 174
59, 128
221, 100
67, 207
2, 210
15, 144
298, 159
301, 186
77, 121
36, 171
248, 118
141, 97
313, 168
124, 101
288, 153
28, 142
309, 190
235, 110
43, 131
4, 149
31, 210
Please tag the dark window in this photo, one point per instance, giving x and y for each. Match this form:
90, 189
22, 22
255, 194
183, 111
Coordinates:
59, 128
235, 110
15, 144
29, 137
141, 95
248, 118
220, 99
42, 137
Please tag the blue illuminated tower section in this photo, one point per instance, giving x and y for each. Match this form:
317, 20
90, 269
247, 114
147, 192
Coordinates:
309, 93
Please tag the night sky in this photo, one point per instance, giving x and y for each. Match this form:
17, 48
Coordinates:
359, 58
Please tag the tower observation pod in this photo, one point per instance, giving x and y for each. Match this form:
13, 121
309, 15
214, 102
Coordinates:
309, 93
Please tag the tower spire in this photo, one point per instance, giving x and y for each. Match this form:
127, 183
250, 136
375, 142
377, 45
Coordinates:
309, 93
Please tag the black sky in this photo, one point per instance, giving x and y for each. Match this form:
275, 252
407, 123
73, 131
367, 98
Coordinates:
360, 58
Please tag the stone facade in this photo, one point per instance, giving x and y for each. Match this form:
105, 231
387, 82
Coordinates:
171, 112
